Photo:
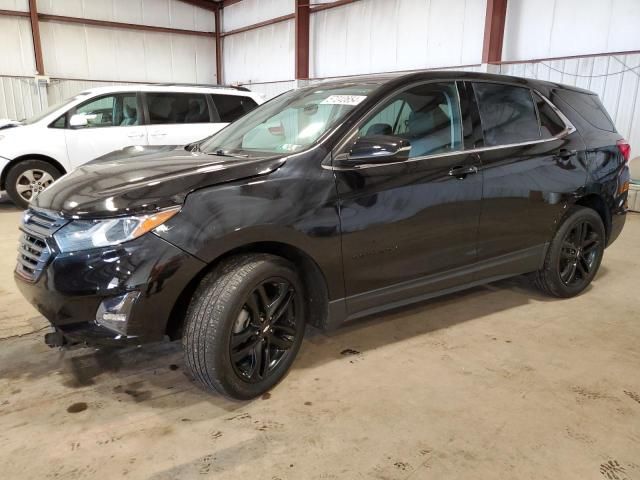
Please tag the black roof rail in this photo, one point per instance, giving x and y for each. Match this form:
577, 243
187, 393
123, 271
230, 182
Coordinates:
235, 87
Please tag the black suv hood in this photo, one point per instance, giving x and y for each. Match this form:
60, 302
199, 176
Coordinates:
139, 179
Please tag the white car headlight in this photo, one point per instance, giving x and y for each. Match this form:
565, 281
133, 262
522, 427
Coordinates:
86, 234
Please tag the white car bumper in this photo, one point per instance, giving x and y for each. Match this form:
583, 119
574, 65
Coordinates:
3, 165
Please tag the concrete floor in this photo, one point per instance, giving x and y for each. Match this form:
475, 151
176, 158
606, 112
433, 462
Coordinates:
496, 382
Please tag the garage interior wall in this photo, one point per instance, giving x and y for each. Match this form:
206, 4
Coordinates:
541, 40
79, 56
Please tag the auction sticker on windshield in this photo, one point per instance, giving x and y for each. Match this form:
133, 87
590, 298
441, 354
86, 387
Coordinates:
343, 100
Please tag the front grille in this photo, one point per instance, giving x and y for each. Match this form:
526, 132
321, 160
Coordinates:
33, 250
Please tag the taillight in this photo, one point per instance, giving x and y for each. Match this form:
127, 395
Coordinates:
625, 149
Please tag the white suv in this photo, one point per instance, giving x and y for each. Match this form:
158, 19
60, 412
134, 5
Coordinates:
35, 152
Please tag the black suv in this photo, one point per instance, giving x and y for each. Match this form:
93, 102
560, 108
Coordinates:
326, 204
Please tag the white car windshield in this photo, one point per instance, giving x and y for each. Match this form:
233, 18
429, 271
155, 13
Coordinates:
289, 123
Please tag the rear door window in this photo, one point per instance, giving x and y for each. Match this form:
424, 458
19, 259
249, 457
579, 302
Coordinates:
232, 107
507, 113
172, 108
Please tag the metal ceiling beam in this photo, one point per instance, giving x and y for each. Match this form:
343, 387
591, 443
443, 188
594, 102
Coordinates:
218, 28
302, 12
128, 26
494, 23
35, 33
206, 4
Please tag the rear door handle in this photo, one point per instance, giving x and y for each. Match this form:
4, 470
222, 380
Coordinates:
158, 134
135, 135
461, 171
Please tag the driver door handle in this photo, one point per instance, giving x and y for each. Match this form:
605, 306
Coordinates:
461, 171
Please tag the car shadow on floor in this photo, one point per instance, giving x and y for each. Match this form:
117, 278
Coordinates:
143, 373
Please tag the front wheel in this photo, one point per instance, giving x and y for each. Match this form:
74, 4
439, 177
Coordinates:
245, 325
574, 256
28, 178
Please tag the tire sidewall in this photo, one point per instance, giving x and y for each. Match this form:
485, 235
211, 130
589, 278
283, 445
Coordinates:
579, 215
219, 356
18, 169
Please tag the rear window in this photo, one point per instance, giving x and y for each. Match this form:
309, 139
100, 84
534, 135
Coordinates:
232, 107
590, 108
507, 113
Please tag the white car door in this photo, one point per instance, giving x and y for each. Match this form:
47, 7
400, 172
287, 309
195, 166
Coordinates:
177, 118
113, 122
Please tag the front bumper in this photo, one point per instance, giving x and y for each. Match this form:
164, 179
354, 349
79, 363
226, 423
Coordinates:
72, 286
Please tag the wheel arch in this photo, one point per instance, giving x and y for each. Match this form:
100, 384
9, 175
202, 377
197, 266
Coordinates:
313, 279
597, 203
31, 156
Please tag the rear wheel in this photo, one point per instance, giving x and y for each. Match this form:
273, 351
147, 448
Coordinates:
28, 178
245, 325
575, 254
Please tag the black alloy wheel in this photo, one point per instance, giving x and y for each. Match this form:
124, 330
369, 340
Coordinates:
245, 325
265, 330
574, 254
579, 253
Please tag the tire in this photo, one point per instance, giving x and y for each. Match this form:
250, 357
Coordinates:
28, 178
574, 255
249, 307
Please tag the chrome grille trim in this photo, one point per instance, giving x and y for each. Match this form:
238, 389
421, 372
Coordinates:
33, 250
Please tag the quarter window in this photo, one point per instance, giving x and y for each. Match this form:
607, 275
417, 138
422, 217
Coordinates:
177, 108
507, 113
427, 115
550, 123
111, 111
232, 107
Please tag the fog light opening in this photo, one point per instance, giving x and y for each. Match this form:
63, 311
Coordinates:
113, 313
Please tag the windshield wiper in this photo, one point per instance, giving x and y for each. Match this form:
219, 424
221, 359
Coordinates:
222, 153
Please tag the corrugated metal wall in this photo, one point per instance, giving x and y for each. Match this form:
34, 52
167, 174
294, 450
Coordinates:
20, 98
615, 78
101, 55
558, 28
261, 55
389, 35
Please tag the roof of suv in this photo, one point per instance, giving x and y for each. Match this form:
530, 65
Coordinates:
442, 75
143, 87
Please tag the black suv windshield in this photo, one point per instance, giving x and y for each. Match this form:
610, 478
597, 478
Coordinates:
289, 123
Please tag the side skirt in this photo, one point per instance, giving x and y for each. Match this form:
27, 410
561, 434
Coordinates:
401, 294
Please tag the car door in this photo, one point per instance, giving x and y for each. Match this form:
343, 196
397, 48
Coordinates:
532, 162
410, 228
114, 121
178, 118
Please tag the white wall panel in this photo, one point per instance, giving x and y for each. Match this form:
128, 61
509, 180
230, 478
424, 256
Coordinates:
609, 76
16, 47
99, 53
249, 12
262, 55
386, 35
19, 98
159, 13
557, 28
21, 5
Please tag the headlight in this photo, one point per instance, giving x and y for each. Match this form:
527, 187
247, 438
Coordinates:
85, 234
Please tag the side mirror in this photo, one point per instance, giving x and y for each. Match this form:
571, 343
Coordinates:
80, 120
376, 149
